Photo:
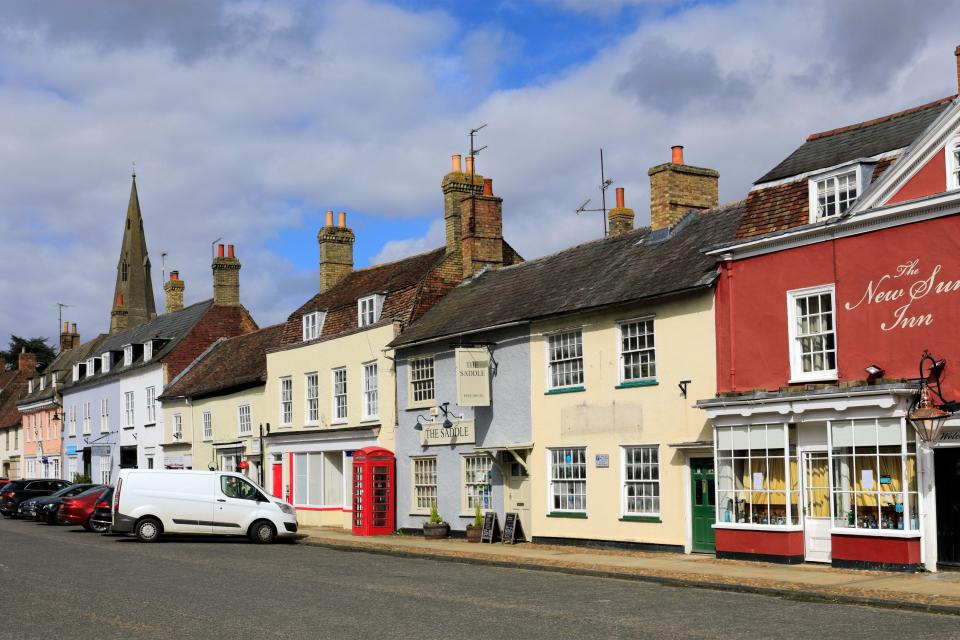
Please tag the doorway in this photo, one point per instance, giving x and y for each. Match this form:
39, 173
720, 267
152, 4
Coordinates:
128, 457
816, 505
703, 507
517, 499
946, 464
276, 486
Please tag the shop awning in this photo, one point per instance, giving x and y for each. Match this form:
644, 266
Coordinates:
696, 444
511, 448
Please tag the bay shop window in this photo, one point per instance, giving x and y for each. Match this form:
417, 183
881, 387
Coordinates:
865, 479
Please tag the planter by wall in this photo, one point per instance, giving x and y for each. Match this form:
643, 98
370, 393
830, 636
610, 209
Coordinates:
474, 532
433, 531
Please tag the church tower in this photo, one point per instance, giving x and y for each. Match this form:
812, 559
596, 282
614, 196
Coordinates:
133, 302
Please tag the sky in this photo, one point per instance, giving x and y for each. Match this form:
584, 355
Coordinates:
248, 119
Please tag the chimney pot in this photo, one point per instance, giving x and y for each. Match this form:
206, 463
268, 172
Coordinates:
174, 275
219, 250
455, 165
230, 251
488, 186
342, 219
677, 155
74, 330
620, 200
469, 167
329, 222
66, 327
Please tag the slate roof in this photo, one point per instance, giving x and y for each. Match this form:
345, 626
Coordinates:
634, 266
171, 327
830, 148
62, 364
230, 364
13, 384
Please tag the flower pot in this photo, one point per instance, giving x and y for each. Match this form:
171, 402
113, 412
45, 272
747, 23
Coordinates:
438, 531
474, 532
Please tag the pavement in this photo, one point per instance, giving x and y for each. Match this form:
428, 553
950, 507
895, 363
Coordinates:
65, 583
933, 592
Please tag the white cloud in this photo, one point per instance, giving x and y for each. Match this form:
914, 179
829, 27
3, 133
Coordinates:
267, 110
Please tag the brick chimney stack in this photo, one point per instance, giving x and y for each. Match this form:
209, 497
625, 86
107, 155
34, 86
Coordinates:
69, 339
457, 186
620, 217
226, 278
27, 362
676, 188
118, 315
336, 251
174, 290
482, 244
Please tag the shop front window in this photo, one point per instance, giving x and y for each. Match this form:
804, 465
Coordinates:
755, 466
871, 459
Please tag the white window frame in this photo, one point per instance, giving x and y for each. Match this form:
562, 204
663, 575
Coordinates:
548, 338
244, 420
177, 428
419, 364
207, 421
105, 469
286, 401
471, 484
556, 479
104, 414
73, 420
621, 354
336, 394
624, 481
151, 405
129, 405
860, 176
312, 325
369, 309
127, 355
952, 151
371, 393
30, 385
91, 367
311, 404
302, 474
147, 350
796, 364
42, 381
423, 469
87, 409
105, 362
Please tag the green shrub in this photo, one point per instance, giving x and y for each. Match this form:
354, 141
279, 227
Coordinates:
81, 478
435, 515
477, 516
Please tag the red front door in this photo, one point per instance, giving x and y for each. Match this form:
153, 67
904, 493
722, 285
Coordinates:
278, 481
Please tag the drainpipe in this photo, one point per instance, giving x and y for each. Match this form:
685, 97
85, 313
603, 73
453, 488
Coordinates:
727, 266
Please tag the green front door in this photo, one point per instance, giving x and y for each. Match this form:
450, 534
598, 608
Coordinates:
703, 508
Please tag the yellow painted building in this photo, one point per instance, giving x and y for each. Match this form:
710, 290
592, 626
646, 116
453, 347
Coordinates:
614, 428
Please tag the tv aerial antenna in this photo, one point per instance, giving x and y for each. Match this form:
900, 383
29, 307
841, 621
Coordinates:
605, 184
474, 152
60, 308
163, 266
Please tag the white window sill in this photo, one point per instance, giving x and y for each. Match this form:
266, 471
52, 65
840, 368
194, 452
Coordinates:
420, 406
875, 533
285, 426
370, 419
757, 527
828, 376
340, 421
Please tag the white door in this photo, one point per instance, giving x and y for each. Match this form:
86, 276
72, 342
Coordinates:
518, 495
816, 506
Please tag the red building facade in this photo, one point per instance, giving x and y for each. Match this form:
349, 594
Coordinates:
846, 269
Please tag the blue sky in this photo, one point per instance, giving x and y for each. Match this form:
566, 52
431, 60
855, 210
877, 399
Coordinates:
249, 118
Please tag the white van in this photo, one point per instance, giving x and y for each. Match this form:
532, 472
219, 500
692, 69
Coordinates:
150, 503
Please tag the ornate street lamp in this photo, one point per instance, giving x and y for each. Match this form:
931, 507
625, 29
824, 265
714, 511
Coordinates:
928, 419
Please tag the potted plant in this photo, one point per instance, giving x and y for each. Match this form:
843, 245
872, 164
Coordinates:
436, 528
476, 529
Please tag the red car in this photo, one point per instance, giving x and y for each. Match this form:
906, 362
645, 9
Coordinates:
79, 508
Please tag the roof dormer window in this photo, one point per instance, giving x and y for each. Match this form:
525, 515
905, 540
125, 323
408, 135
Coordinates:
91, 367
127, 355
147, 350
76, 372
313, 325
105, 362
43, 380
30, 385
833, 195
369, 309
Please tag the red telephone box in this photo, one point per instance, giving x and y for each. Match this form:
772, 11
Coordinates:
374, 503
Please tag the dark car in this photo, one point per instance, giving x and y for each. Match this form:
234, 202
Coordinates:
45, 508
16, 491
79, 508
102, 516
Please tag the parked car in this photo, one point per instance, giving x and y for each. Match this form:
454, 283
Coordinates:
16, 491
41, 507
79, 508
150, 503
102, 516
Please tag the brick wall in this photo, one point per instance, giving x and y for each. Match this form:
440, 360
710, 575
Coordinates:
482, 245
217, 322
336, 255
677, 188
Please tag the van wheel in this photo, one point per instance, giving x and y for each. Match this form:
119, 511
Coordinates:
262, 532
148, 530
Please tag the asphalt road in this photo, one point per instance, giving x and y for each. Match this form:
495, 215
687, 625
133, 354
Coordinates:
59, 582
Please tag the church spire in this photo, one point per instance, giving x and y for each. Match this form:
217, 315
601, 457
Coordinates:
133, 302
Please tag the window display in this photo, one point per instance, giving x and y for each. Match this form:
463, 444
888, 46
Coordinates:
755, 466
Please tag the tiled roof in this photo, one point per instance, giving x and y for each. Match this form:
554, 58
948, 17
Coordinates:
634, 266
171, 327
230, 364
12, 389
830, 148
403, 282
63, 364
774, 208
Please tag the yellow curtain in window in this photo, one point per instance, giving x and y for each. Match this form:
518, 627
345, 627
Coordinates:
818, 488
